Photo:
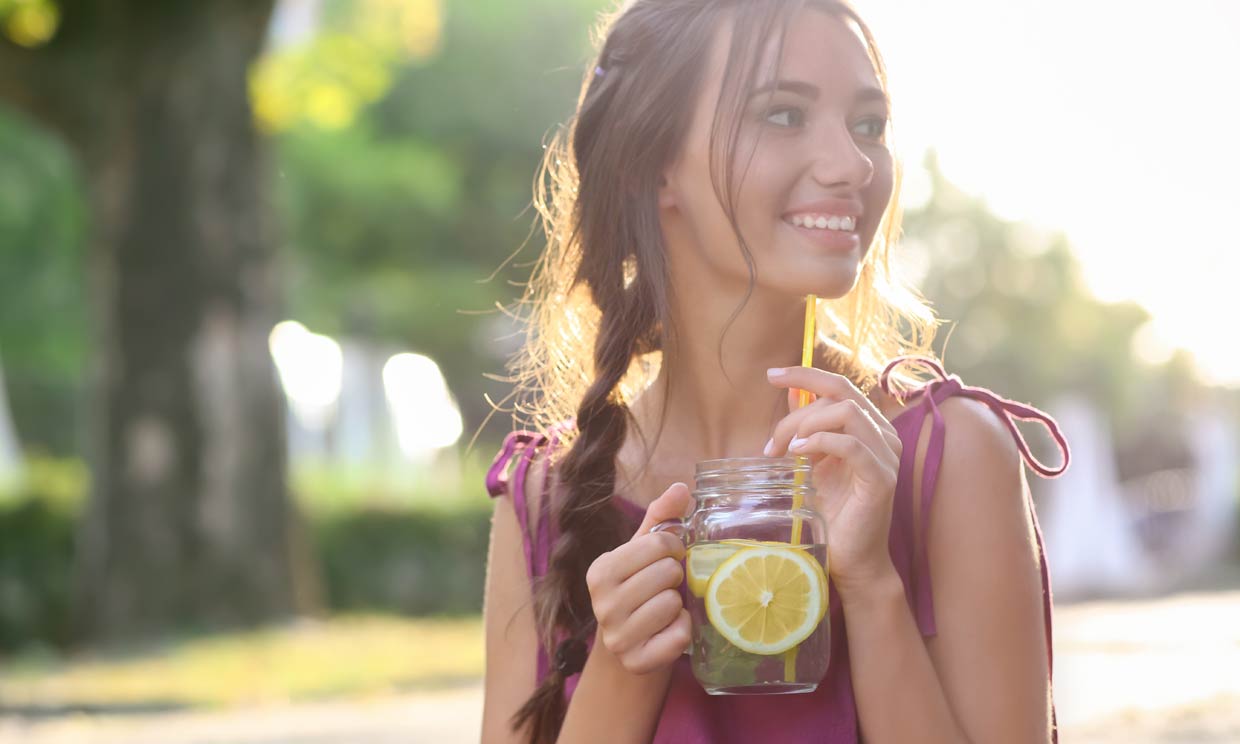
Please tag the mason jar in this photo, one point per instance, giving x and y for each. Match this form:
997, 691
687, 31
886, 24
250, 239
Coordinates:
756, 574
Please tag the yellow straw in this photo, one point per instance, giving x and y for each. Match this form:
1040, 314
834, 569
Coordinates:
807, 360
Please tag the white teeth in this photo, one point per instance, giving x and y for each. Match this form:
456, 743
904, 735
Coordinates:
823, 222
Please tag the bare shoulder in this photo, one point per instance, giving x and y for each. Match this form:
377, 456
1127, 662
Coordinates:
981, 480
981, 470
977, 438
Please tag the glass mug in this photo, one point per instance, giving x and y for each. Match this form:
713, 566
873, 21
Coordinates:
757, 591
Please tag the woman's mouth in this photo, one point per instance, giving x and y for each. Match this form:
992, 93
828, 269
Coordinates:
823, 222
834, 232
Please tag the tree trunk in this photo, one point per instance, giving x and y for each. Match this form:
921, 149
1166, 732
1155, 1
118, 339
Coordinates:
188, 519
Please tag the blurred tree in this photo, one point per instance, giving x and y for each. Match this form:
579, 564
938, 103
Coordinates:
407, 165
1021, 318
188, 517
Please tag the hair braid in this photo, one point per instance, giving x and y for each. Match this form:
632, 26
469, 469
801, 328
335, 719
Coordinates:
588, 521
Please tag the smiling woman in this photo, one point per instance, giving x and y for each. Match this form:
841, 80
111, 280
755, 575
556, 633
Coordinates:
727, 159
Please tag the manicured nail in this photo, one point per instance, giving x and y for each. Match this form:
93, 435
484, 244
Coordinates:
797, 444
775, 372
770, 445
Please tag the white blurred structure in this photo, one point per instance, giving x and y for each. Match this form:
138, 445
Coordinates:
355, 402
293, 22
362, 431
1091, 545
1147, 534
311, 368
1211, 523
425, 415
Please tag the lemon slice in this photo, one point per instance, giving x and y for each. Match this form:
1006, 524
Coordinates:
766, 599
742, 542
702, 562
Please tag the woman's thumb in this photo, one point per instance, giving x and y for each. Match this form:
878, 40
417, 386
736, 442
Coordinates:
671, 505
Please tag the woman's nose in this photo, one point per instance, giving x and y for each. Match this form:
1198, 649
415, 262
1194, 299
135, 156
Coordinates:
838, 162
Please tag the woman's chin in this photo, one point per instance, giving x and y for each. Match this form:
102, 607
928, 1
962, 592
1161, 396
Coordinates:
826, 284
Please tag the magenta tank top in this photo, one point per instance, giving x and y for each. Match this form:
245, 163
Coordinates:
828, 714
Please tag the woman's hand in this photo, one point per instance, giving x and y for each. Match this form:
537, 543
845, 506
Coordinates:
855, 453
635, 591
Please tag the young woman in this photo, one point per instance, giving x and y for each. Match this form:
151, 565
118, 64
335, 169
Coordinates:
727, 159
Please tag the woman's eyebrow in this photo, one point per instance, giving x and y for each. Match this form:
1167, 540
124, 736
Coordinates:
811, 91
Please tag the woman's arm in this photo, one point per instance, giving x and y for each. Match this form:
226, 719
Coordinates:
983, 678
610, 704
511, 642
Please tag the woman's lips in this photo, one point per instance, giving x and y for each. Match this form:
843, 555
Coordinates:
834, 240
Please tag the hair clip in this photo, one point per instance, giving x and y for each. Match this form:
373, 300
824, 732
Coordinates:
599, 72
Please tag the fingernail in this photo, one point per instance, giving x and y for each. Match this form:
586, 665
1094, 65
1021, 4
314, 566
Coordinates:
770, 445
775, 372
797, 443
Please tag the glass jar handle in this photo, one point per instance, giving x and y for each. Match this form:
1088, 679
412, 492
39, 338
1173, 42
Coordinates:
678, 527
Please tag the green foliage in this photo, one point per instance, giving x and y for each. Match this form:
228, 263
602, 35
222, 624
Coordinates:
394, 223
324, 81
423, 561
1025, 323
30, 23
417, 549
42, 286
36, 553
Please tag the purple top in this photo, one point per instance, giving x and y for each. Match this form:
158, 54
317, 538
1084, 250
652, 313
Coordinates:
828, 714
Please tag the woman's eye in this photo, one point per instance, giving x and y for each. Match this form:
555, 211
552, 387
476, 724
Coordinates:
785, 117
878, 126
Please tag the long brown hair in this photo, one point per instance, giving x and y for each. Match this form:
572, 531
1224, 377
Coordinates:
597, 305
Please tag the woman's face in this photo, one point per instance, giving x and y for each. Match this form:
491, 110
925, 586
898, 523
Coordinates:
816, 150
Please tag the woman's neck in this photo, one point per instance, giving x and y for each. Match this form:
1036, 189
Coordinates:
712, 396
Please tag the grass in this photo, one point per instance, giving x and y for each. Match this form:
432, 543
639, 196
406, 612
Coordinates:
342, 656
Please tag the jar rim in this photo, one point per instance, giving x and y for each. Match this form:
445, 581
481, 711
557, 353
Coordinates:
750, 464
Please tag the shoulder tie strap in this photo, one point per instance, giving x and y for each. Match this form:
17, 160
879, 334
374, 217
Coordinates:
497, 475
1006, 409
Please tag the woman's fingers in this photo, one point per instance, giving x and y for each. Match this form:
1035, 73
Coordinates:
662, 649
615, 567
849, 449
664, 573
825, 384
644, 622
845, 416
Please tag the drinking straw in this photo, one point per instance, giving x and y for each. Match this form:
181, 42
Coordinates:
807, 360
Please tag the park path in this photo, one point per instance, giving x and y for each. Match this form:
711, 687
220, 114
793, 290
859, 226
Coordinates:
1132, 672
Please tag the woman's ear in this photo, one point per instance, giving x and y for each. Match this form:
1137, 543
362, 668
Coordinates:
667, 199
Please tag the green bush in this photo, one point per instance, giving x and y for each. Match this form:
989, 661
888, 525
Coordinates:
418, 561
379, 546
36, 552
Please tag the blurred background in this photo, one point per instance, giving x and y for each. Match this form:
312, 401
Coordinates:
250, 260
